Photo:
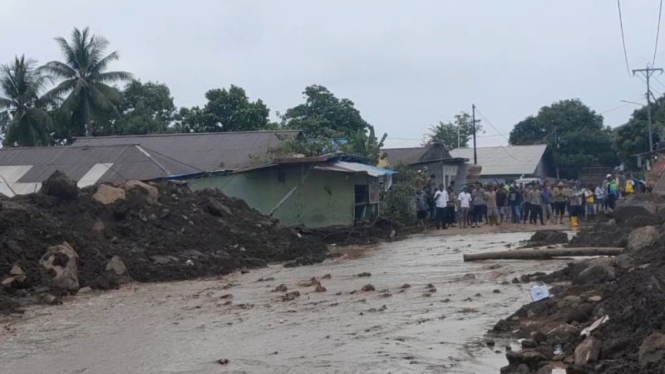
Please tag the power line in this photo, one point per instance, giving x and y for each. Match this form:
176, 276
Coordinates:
655, 48
623, 38
498, 132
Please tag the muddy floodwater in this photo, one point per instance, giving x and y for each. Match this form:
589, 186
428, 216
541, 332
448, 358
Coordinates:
186, 327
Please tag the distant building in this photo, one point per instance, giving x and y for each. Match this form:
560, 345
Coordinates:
323, 191
505, 164
433, 159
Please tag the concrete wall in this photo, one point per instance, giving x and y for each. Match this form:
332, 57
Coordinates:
325, 199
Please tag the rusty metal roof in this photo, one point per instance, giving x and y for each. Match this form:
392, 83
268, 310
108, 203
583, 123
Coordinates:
23, 169
408, 156
207, 151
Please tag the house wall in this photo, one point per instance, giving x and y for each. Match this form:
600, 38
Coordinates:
325, 199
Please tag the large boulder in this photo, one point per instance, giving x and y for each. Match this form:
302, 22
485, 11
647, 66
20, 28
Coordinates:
147, 192
60, 267
642, 237
108, 194
60, 186
652, 349
599, 270
216, 208
587, 351
637, 213
547, 237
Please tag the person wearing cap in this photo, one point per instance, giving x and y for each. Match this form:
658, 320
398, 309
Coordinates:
560, 199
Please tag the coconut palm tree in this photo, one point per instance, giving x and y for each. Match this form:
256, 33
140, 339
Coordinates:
27, 122
85, 82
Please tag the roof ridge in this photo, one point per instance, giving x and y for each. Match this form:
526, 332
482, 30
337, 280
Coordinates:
185, 134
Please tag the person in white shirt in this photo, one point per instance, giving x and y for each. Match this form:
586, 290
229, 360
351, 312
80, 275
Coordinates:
464, 199
441, 202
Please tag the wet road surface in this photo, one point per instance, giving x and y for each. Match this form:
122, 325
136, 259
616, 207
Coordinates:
186, 327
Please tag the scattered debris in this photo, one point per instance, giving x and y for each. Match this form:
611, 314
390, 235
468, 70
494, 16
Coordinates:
281, 288
320, 288
368, 287
364, 274
290, 296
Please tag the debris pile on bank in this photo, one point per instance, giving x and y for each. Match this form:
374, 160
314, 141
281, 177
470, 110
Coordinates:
63, 238
606, 315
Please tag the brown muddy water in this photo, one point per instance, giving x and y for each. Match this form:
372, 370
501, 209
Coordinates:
186, 327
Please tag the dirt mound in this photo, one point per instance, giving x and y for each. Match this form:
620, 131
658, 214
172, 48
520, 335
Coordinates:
602, 234
629, 289
369, 233
548, 237
186, 234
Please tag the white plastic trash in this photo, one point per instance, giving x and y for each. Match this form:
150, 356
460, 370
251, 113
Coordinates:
539, 292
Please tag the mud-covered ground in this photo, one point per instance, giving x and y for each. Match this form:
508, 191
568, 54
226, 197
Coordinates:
188, 326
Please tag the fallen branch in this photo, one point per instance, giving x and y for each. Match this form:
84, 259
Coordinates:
544, 254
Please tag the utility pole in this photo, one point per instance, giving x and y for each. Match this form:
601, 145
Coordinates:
648, 72
473, 121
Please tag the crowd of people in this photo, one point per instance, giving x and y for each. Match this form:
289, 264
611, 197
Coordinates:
532, 203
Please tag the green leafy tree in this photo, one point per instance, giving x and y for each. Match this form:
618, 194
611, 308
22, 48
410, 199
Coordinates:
145, 108
331, 124
575, 135
226, 110
633, 137
448, 133
25, 120
89, 99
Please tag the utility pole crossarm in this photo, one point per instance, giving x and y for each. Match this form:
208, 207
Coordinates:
648, 72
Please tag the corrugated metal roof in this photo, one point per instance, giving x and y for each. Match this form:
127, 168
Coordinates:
408, 156
206, 151
404, 156
510, 160
354, 167
23, 169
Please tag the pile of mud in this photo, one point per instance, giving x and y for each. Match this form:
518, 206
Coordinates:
381, 230
621, 300
181, 235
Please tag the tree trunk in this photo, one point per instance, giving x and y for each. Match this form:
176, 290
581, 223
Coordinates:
544, 254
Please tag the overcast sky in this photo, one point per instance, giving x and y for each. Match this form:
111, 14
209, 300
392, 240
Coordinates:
405, 64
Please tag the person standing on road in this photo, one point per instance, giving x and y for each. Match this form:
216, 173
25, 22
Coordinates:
421, 208
526, 204
441, 201
479, 205
629, 187
536, 205
600, 198
452, 205
590, 200
546, 196
501, 197
464, 200
492, 207
612, 192
560, 199
515, 201
576, 202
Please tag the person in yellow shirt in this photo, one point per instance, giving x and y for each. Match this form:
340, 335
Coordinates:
629, 188
590, 199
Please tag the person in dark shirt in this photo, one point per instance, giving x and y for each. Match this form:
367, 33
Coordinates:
501, 203
515, 201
